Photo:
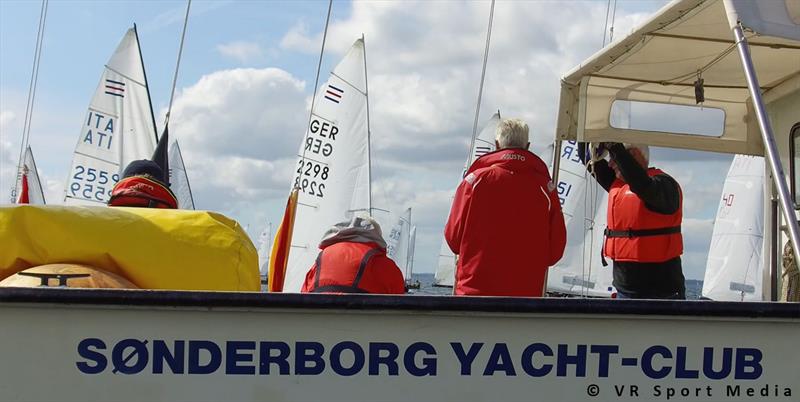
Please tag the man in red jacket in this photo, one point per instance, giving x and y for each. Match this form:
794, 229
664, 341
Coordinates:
506, 224
353, 260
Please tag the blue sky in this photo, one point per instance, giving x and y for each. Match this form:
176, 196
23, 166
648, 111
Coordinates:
424, 66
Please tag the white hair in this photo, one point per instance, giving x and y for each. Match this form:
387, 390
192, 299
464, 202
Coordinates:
644, 149
512, 133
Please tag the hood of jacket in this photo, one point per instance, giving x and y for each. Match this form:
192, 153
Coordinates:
357, 230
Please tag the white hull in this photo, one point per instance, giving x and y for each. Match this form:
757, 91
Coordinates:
71, 352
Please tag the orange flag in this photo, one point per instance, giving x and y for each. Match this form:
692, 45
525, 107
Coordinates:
279, 256
23, 194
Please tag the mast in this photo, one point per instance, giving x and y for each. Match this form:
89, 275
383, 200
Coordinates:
146, 85
177, 63
369, 141
480, 88
408, 246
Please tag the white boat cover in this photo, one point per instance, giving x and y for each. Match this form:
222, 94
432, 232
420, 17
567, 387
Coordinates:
178, 179
29, 173
734, 267
659, 63
484, 143
118, 128
332, 169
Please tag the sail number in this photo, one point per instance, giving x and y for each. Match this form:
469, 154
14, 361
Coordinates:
563, 191
92, 184
311, 177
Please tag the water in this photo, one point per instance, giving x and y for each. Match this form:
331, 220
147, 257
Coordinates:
693, 287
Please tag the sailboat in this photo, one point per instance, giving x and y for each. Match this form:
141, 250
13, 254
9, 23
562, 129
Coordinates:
483, 144
119, 127
400, 246
735, 262
333, 166
28, 189
264, 242
580, 272
178, 179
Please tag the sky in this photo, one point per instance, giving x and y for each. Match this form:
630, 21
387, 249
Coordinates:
247, 77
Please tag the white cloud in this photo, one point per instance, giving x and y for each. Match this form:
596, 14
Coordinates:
241, 51
297, 39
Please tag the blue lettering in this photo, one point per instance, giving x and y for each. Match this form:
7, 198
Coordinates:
527, 360
98, 359
110, 126
603, 352
680, 365
428, 363
99, 117
467, 358
88, 137
102, 135
647, 362
564, 360
134, 348
500, 360
748, 358
266, 358
375, 360
708, 364
336, 358
302, 358
174, 360
233, 357
214, 360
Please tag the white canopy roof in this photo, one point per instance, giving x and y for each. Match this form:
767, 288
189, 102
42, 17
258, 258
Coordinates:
660, 61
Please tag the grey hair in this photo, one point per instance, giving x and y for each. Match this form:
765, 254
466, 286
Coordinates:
644, 149
512, 133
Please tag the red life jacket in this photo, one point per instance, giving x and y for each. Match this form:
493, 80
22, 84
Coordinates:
141, 191
638, 234
350, 267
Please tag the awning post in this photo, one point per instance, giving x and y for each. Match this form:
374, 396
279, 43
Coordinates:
779, 177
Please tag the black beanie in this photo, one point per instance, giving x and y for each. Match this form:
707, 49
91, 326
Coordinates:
141, 167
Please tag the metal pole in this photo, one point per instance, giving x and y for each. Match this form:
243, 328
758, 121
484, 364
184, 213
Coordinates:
779, 177
556, 159
480, 88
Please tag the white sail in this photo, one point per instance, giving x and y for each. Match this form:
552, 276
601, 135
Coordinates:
397, 243
178, 179
484, 143
28, 189
332, 171
412, 242
264, 244
581, 272
118, 128
733, 269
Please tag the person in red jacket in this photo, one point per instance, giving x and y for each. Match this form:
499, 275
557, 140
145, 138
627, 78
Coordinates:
506, 224
142, 185
352, 259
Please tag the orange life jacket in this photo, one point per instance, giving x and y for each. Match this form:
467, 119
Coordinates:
141, 191
638, 234
350, 267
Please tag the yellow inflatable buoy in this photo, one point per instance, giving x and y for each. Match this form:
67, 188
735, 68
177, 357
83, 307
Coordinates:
67, 275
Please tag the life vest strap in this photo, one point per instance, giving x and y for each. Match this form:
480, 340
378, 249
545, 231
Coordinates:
342, 288
338, 289
631, 233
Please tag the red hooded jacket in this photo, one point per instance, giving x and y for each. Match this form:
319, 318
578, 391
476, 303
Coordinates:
353, 260
506, 226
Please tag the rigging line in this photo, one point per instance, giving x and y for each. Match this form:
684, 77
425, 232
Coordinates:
178, 62
37, 55
480, 88
613, 18
605, 24
319, 67
369, 140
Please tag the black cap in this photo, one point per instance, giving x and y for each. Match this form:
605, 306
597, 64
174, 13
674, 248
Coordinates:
141, 167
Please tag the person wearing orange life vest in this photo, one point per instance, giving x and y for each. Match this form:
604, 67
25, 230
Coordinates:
352, 259
505, 224
643, 234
